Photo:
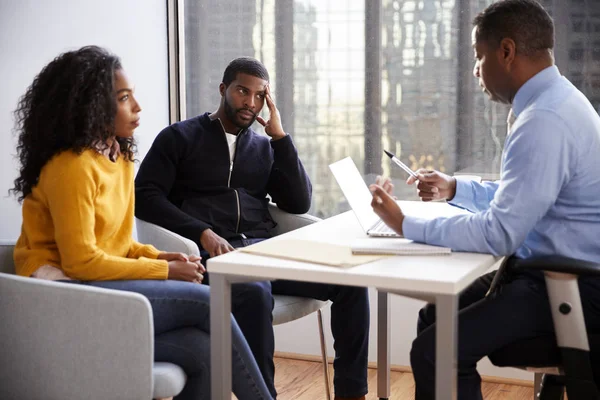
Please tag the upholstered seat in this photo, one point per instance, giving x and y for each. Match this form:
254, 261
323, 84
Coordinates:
66, 341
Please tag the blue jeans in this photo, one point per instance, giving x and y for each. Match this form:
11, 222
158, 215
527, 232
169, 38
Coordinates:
252, 305
180, 312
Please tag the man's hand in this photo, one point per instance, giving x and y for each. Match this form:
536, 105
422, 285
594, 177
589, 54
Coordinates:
434, 185
214, 244
189, 271
386, 208
386, 184
273, 126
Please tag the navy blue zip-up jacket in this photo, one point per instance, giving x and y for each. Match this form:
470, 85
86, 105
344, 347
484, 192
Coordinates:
186, 183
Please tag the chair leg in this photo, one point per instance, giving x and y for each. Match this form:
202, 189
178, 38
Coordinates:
537, 384
324, 355
552, 388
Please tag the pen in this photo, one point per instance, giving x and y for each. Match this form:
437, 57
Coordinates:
401, 164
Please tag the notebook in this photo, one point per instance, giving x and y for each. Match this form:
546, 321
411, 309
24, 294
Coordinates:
310, 251
359, 197
395, 247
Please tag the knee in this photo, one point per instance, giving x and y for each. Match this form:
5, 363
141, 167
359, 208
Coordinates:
426, 317
188, 348
357, 295
256, 295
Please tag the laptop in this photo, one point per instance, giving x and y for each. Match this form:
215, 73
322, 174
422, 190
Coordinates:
359, 197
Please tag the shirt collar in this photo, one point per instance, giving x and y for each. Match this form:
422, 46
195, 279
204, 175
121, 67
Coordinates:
532, 87
213, 119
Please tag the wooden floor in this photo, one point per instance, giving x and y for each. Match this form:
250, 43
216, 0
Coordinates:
303, 380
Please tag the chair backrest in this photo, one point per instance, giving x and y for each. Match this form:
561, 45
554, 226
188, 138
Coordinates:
67, 341
7, 264
163, 239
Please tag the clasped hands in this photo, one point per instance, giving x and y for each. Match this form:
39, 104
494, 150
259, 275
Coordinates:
183, 267
432, 185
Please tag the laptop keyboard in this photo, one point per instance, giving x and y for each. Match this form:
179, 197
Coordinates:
381, 227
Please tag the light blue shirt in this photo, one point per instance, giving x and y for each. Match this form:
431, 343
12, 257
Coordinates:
547, 201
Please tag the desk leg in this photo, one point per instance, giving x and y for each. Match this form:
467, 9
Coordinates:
383, 345
220, 337
446, 342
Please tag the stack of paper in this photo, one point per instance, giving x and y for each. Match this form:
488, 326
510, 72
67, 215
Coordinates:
395, 247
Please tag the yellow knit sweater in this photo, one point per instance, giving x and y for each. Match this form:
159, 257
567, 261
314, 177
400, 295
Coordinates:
79, 218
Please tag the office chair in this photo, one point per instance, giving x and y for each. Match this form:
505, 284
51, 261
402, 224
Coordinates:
570, 359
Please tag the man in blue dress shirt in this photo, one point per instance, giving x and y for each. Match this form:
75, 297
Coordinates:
547, 201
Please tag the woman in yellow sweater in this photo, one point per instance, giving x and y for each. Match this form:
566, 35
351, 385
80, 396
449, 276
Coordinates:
76, 151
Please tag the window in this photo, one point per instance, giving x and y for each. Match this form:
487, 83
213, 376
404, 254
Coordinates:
421, 103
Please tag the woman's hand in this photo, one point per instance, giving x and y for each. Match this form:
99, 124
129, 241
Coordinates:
185, 271
183, 267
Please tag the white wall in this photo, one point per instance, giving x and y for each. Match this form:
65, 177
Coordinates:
302, 336
33, 32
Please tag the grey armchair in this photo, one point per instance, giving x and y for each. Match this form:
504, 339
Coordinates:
66, 341
286, 308
569, 360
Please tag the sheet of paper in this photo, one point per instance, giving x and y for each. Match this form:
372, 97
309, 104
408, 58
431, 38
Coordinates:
310, 251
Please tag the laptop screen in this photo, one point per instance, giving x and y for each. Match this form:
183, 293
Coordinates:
355, 190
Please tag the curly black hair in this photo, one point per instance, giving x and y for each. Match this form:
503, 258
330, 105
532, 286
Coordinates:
70, 105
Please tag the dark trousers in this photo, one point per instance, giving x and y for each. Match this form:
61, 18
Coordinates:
252, 306
518, 310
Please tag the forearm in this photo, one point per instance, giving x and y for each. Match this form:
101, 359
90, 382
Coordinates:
138, 250
478, 233
472, 195
289, 184
96, 265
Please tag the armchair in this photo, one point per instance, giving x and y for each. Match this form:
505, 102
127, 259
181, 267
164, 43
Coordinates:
286, 308
568, 359
66, 341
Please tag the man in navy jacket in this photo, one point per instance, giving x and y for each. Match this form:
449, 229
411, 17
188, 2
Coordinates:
207, 179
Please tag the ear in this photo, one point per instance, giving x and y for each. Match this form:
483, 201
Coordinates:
222, 88
507, 51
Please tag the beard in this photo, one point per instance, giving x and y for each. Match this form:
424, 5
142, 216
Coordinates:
232, 115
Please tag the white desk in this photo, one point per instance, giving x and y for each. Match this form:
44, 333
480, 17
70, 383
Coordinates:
437, 279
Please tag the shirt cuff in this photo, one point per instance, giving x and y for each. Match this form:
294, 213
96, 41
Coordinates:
284, 141
414, 228
463, 196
